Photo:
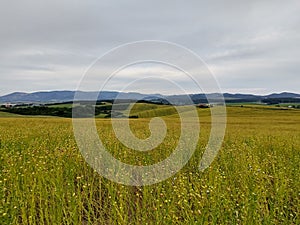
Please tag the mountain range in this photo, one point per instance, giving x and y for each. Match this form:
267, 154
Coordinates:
68, 96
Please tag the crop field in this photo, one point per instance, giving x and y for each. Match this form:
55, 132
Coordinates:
253, 180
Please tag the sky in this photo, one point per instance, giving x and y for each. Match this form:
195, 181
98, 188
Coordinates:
249, 46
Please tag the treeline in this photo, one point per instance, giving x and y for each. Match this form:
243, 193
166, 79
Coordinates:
40, 111
79, 111
274, 101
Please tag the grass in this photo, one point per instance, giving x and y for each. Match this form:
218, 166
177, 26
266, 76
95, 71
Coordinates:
6, 114
254, 180
67, 105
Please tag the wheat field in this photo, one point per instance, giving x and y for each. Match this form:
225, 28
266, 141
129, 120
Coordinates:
253, 180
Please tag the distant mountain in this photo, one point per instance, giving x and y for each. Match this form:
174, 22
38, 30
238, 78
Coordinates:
53, 96
283, 95
67, 96
241, 96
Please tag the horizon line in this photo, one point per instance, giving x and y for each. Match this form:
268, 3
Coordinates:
244, 93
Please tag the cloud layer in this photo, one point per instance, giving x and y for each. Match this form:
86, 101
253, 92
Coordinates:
251, 46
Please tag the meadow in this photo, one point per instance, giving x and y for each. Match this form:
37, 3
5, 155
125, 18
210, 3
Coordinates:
253, 180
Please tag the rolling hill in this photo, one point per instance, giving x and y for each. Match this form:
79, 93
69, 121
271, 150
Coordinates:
68, 96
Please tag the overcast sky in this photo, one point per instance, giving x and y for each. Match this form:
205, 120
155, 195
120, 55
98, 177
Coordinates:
250, 46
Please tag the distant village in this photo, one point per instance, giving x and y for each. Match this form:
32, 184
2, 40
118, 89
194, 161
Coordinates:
12, 105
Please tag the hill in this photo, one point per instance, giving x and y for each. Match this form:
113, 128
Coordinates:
68, 96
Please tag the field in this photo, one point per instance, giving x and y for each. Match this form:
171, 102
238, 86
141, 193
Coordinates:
254, 179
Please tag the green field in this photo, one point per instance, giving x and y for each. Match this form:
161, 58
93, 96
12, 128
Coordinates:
67, 105
6, 114
254, 179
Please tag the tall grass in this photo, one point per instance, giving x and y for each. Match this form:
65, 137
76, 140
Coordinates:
254, 180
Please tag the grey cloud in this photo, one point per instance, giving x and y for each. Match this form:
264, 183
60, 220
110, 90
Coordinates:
49, 44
